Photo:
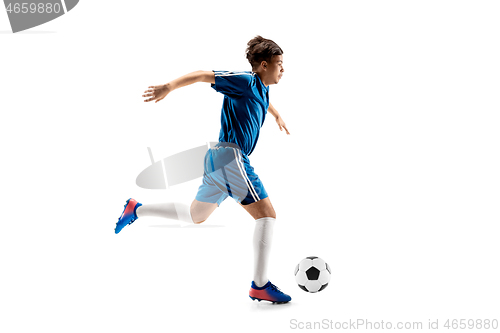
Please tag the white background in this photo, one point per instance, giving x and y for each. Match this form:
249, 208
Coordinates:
390, 173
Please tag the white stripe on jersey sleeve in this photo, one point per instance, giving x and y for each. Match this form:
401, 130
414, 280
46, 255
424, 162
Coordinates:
228, 73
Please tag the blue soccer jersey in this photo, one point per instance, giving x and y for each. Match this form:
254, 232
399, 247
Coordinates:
246, 100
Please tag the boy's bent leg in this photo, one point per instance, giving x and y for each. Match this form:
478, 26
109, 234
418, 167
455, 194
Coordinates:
198, 212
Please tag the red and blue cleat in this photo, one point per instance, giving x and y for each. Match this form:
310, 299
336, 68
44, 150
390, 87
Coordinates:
128, 216
268, 292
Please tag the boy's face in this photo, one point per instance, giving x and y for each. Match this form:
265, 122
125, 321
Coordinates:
275, 69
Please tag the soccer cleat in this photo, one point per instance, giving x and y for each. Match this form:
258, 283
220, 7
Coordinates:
128, 216
268, 292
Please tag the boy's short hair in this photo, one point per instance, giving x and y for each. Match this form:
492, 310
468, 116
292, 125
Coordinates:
261, 49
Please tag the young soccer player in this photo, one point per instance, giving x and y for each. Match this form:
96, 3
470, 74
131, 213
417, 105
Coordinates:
227, 167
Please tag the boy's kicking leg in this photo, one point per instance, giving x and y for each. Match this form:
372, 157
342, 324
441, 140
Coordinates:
265, 217
198, 212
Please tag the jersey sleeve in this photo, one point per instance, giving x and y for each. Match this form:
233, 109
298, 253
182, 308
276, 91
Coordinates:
232, 84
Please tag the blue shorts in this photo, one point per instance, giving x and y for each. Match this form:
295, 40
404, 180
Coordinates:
228, 173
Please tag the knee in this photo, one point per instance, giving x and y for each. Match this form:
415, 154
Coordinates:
271, 212
196, 217
268, 213
200, 211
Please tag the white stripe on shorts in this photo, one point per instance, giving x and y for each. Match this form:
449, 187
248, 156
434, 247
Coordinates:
251, 189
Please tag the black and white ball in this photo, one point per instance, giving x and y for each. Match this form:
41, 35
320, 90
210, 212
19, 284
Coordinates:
312, 274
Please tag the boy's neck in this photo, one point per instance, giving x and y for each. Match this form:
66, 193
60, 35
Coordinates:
261, 79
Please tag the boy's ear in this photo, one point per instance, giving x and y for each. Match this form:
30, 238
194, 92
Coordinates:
264, 64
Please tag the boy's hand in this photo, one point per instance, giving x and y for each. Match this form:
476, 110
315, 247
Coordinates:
278, 118
282, 125
156, 93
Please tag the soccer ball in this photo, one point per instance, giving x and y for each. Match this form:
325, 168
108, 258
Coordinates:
312, 274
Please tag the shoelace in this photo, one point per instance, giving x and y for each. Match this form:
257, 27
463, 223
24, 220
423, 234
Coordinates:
273, 287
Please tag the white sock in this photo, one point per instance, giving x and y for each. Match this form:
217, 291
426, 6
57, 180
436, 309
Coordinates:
169, 210
262, 239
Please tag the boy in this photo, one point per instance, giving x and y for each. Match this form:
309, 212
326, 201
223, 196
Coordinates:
227, 168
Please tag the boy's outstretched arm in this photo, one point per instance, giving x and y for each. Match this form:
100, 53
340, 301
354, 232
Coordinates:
279, 120
157, 93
